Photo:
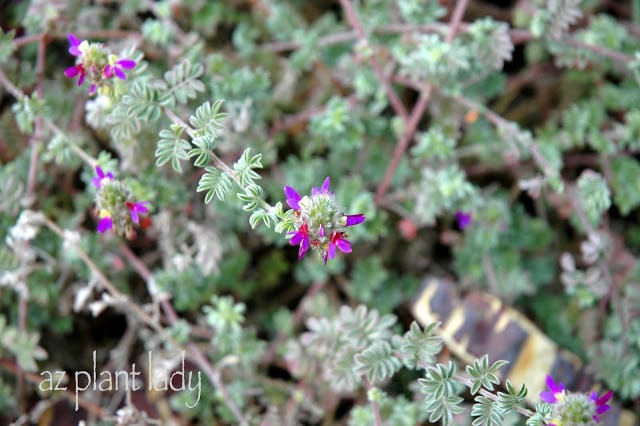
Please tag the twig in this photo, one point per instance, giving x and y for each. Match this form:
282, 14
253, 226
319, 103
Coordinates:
402, 145
418, 110
396, 103
375, 407
196, 354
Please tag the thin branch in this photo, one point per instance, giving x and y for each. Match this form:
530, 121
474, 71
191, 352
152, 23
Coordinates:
377, 418
396, 103
418, 110
402, 145
195, 353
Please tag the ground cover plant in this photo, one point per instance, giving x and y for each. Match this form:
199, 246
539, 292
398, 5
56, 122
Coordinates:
219, 212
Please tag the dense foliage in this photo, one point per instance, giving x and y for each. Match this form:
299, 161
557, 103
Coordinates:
164, 173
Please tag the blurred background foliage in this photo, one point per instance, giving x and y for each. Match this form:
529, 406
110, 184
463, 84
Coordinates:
531, 126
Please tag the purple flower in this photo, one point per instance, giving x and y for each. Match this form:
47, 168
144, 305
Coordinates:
318, 222
464, 219
118, 68
601, 403
74, 45
555, 392
97, 181
76, 70
135, 208
301, 237
105, 224
324, 189
337, 240
353, 219
293, 198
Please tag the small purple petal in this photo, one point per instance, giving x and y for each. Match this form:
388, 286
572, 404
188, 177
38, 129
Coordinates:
303, 247
296, 239
105, 224
325, 185
548, 396
293, 198
73, 45
321, 231
331, 251
464, 219
354, 219
119, 73
135, 208
127, 64
71, 72
81, 79
604, 398
553, 386
92, 89
73, 40
108, 71
344, 245
142, 206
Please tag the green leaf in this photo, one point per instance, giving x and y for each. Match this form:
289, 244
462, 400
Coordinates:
214, 182
438, 381
483, 375
377, 362
142, 102
203, 150
207, 120
486, 412
183, 83
258, 216
625, 181
172, 147
243, 167
26, 110
419, 347
443, 409
513, 397
6, 45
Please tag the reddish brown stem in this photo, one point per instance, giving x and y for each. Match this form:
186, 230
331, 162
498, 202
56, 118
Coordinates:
396, 103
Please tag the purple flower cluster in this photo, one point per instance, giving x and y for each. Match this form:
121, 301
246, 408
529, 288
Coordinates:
320, 225
93, 60
112, 199
567, 405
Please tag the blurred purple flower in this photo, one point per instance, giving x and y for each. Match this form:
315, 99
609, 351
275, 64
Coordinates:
105, 224
74, 45
601, 403
353, 219
555, 392
301, 236
76, 70
337, 240
136, 208
464, 219
293, 198
324, 189
118, 68
97, 181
